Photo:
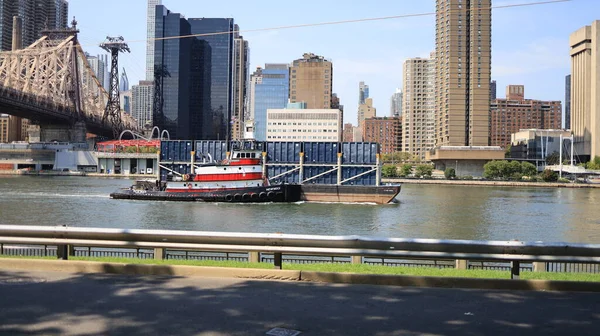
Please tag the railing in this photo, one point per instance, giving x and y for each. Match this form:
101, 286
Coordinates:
162, 244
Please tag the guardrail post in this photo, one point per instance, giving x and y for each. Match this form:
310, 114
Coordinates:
61, 252
254, 257
461, 264
159, 253
357, 259
539, 266
277, 258
515, 269
71, 250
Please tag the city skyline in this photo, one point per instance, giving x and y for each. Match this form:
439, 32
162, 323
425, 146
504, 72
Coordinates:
531, 52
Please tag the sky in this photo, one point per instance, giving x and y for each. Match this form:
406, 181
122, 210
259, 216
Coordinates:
530, 44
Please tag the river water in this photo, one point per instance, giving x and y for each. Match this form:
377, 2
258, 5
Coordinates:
424, 211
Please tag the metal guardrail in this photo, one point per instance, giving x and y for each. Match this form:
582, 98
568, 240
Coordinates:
310, 245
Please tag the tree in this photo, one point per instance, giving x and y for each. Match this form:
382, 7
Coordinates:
549, 176
396, 157
507, 152
491, 170
389, 171
528, 169
450, 173
405, 170
423, 170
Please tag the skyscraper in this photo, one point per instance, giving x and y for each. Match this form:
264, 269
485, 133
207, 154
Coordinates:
493, 93
37, 15
363, 92
172, 87
463, 61
269, 89
98, 65
567, 102
141, 105
311, 81
396, 104
585, 90
365, 111
150, 33
213, 68
418, 110
240, 88
124, 81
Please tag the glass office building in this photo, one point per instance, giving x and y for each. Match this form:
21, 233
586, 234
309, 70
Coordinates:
269, 89
172, 61
212, 62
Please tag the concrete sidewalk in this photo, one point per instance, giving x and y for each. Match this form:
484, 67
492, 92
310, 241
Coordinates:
62, 303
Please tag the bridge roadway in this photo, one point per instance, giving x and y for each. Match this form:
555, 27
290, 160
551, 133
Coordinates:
53, 303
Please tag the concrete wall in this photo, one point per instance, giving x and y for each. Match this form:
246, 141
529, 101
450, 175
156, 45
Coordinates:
462, 167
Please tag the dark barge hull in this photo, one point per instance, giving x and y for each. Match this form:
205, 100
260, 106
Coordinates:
349, 194
278, 193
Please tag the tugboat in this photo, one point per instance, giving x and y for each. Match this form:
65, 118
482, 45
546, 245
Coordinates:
239, 178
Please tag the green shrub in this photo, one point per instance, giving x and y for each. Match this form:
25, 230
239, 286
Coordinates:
405, 170
389, 171
466, 177
549, 176
450, 173
423, 170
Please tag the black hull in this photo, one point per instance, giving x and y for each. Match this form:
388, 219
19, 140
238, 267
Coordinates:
279, 193
383, 194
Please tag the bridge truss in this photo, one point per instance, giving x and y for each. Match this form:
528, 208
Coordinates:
52, 81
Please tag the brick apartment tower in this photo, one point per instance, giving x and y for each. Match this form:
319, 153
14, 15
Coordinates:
387, 131
510, 115
463, 71
311, 81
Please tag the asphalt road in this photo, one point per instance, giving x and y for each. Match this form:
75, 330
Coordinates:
47, 303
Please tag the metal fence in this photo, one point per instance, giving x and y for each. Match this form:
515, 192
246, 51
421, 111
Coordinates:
514, 256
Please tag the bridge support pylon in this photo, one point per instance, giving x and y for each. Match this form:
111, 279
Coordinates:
62, 133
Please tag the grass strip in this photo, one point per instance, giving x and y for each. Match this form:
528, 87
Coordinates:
348, 268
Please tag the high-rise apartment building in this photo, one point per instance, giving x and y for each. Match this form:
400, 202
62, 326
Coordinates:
37, 15
141, 103
396, 104
323, 125
385, 131
585, 90
567, 124
99, 65
311, 81
348, 133
418, 115
510, 115
4, 127
363, 92
463, 62
366, 110
240, 89
493, 93
151, 34
269, 89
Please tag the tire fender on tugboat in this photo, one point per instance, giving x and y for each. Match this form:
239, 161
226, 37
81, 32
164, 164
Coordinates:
229, 198
270, 194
